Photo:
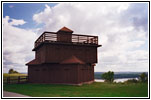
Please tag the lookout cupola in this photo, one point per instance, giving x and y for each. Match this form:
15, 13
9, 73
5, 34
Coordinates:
64, 35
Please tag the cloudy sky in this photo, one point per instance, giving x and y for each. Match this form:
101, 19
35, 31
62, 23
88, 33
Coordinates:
122, 29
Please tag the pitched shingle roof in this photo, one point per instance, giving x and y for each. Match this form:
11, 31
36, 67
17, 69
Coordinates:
72, 60
33, 62
65, 29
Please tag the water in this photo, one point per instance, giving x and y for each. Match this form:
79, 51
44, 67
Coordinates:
120, 75
116, 80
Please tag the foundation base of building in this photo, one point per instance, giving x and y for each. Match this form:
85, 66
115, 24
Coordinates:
79, 84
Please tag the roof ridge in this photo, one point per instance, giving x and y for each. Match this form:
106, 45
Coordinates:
72, 60
65, 29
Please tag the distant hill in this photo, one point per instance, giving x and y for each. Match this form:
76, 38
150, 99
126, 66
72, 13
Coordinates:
117, 75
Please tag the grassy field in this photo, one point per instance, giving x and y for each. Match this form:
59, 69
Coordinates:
96, 89
12, 76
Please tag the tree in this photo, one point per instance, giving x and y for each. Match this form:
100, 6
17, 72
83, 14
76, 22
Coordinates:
108, 76
15, 72
10, 71
143, 77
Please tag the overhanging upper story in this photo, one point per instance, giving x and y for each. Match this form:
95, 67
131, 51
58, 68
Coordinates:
56, 47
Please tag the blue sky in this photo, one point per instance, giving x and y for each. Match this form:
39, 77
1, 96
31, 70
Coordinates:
122, 29
24, 11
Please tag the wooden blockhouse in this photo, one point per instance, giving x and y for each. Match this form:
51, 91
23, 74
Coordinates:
63, 58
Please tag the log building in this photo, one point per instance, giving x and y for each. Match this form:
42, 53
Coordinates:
63, 58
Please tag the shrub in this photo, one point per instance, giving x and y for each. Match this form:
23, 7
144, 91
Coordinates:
15, 72
143, 77
109, 76
131, 81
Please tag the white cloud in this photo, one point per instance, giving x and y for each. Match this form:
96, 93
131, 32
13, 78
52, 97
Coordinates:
13, 21
121, 28
17, 22
17, 45
114, 23
42, 16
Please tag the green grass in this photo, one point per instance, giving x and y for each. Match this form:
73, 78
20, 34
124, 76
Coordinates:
96, 89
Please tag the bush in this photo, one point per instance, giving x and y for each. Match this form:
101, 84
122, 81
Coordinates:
143, 77
109, 76
15, 72
131, 81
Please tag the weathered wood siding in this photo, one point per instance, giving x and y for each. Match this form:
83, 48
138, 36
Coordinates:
40, 54
57, 53
85, 73
53, 73
64, 37
56, 73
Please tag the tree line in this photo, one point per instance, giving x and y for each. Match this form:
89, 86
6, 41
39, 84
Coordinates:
109, 77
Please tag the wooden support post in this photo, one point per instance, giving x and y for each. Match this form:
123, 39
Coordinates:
97, 40
78, 39
18, 79
26, 78
44, 36
8, 80
87, 39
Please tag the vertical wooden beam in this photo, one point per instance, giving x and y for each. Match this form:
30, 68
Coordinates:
8, 80
18, 79
97, 39
78, 39
87, 39
44, 36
